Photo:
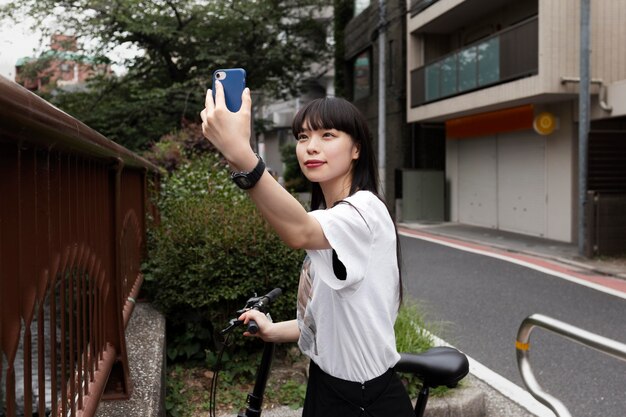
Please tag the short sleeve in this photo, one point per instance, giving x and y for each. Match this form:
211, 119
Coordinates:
350, 234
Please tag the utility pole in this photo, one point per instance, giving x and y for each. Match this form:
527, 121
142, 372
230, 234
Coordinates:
382, 27
583, 121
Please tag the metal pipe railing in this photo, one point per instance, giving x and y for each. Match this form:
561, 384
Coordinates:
72, 236
576, 334
30, 118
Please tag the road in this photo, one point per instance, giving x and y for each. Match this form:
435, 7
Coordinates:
478, 302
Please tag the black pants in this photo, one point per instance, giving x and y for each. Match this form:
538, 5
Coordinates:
383, 396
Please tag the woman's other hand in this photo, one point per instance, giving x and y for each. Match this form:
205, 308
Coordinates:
264, 324
281, 332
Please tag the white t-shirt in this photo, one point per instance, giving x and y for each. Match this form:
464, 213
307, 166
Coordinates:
346, 325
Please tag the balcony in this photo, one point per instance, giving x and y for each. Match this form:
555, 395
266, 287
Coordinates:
505, 56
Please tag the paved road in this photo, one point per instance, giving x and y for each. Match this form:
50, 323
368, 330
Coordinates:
481, 302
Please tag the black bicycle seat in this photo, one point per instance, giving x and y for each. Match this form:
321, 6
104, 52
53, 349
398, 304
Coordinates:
436, 367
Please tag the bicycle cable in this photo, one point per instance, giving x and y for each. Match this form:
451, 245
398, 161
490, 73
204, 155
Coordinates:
216, 371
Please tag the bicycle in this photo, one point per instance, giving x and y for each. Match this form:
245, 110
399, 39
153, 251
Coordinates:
438, 366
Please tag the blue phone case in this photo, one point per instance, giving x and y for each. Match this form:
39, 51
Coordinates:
234, 81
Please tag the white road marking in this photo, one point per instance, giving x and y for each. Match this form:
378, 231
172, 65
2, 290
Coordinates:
530, 265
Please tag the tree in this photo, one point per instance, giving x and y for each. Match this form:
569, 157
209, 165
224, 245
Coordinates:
179, 44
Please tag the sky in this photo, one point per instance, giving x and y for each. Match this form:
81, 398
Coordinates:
16, 41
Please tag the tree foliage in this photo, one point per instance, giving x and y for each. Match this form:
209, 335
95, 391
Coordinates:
179, 43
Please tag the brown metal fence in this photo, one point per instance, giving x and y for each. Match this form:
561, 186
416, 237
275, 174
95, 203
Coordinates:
72, 235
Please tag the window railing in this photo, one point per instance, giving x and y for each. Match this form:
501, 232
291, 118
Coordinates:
72, 235
504, 56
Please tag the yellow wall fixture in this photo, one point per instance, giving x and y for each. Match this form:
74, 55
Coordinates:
545, 123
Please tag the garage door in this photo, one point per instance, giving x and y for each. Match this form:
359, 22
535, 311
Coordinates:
502, 182
521, 183
477, 181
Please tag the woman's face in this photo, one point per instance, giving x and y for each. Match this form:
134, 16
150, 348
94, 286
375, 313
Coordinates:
326, 155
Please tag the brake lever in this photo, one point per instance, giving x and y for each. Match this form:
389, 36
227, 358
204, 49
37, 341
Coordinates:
233, 323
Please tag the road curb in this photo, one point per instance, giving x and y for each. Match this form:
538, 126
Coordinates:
594, 269
466, 401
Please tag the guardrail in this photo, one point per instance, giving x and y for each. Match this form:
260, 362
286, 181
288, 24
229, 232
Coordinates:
576, 334
72, 235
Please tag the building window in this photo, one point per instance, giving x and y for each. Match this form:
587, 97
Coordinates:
360, 5
362, 75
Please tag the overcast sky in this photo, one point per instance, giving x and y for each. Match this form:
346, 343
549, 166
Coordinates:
16, 41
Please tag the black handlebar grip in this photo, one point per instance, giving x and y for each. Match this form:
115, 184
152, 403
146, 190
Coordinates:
253, 328
272, 295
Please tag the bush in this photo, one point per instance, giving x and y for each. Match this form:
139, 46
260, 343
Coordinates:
211, 252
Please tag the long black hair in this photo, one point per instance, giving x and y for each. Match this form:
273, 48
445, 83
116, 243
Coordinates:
338, 113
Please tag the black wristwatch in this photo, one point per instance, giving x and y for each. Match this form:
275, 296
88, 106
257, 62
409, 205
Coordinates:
247, 180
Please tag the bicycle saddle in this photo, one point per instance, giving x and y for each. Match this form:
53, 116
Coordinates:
437, 366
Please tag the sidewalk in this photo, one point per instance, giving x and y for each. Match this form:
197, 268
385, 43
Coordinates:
561, 252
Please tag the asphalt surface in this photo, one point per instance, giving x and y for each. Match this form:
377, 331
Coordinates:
479, 303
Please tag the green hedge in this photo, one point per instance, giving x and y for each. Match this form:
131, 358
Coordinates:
211, 252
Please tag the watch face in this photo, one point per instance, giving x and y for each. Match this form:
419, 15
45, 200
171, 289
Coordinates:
247, 180
243, 181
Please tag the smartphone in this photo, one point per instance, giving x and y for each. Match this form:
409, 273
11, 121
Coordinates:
234, 81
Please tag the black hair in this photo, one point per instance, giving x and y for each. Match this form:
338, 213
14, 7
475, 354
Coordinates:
338, 113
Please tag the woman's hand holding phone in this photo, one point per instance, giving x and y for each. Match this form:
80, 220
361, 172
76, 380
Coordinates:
229, 132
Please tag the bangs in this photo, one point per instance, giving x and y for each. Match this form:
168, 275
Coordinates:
327, 113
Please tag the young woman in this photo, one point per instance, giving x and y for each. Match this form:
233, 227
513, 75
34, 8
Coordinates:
350, 288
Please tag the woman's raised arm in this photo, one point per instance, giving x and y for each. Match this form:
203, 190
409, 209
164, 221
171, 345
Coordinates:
230, 134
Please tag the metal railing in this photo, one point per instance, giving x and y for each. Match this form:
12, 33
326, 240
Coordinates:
592, 340
72, 235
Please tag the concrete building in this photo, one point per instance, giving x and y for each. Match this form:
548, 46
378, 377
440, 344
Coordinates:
362, 63
496, 81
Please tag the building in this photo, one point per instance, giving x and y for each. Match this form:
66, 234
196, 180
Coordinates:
61, 67
361, 65
497, 82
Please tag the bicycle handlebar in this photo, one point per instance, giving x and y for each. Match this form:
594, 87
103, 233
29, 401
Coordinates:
274, 294
255, 303
253, 327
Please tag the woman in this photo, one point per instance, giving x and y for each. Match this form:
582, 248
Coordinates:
350, 287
